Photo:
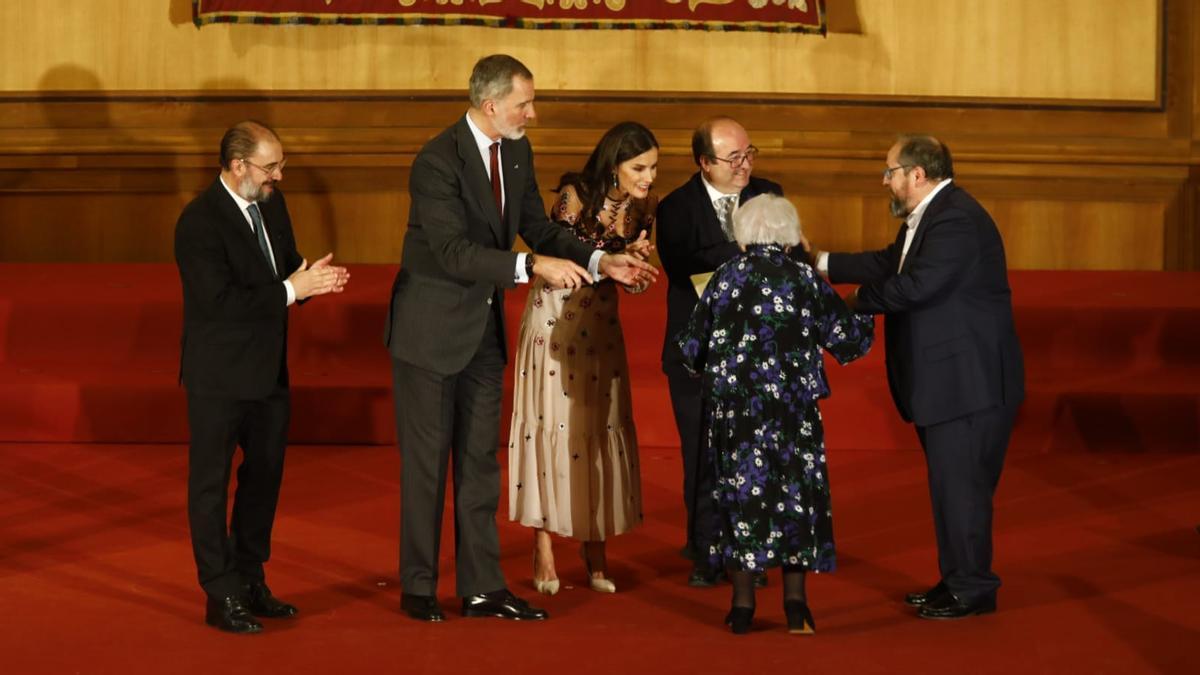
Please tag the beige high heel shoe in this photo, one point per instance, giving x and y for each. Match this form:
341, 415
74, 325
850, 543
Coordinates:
545, 587
598, 585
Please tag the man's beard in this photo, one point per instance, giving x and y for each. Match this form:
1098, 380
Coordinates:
899, 210
253, 193
514, 133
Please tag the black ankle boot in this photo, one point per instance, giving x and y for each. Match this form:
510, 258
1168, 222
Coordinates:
799, 618
739, 619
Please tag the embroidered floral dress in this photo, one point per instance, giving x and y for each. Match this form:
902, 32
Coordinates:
756, 338
572, 451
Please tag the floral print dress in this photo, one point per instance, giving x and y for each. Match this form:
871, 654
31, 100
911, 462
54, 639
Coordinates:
756, 338
572, 451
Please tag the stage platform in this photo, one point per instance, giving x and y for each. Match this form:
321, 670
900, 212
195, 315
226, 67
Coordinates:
90, 353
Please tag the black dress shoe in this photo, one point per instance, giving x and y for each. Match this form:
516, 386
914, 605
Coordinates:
739, 619
949, 607
925, 597
261, 603
229, 614
703, 576
502, 604
422, 607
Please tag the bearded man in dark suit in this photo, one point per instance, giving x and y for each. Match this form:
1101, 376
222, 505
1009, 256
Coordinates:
473, 190
240, 272
954, 362
695, 236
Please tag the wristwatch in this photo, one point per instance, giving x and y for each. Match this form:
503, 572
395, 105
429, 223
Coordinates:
529, 265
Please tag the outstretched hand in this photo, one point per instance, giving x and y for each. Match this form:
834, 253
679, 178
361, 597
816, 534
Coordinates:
627, 269
640, 248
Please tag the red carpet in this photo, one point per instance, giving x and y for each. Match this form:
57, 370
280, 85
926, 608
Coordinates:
1095, 528
1098, 554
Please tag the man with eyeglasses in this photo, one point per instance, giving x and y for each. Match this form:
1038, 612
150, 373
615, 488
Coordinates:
695, 235
954, 362
240, 271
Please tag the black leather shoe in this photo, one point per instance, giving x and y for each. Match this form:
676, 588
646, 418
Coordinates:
261, 603
703, 576
949, 607
925, 597
422, 607
502, 604
229, 614
739, 619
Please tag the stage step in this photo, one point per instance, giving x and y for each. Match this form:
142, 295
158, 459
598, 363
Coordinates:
89, 353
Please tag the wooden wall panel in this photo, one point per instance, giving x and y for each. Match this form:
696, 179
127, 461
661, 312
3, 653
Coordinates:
1068, 49
360, 214
1074, 185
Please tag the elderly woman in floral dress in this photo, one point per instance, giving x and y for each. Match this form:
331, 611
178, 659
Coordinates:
756, 339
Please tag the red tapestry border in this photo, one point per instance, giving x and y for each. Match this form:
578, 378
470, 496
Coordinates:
779, 16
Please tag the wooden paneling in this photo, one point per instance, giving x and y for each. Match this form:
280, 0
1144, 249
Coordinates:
1100, 184
1053, 215
1065, 49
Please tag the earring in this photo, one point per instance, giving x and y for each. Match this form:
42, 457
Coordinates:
615, 182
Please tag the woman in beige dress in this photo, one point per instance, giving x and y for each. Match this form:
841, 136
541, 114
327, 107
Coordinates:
572, 451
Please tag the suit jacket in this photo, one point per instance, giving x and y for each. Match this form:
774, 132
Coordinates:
234, 309
690, 241
457, 250
952, 348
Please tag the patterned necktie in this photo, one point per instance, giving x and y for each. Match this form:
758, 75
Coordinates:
495, 169
725, 214
261, 233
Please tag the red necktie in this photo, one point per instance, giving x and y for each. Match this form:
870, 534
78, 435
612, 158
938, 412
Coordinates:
495, 168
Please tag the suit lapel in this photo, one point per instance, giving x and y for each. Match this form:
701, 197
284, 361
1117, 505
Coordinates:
931, 211
478, 183
707, 214
514, 180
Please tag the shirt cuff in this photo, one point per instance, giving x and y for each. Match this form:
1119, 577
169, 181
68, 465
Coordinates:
519, 275
291, 292
594, 265
823, 264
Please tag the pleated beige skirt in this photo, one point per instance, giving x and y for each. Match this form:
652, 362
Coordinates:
572, 450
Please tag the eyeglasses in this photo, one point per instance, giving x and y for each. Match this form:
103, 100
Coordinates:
738, 159
270, 168
887, 173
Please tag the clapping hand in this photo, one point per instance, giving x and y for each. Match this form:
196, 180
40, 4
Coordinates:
318, 279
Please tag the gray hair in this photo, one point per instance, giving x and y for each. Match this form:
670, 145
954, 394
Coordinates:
492, 78
767, 219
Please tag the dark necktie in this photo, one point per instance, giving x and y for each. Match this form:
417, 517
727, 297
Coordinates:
495, 169
261, 233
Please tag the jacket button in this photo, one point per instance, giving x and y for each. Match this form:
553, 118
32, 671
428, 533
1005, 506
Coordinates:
489, 301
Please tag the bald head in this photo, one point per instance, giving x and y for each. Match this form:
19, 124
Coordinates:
721, 148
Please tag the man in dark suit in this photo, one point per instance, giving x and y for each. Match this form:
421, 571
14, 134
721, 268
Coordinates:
954, 363
473, 191
240, 272
695, 235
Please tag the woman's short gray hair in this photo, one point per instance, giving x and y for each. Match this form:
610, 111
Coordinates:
767, 219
